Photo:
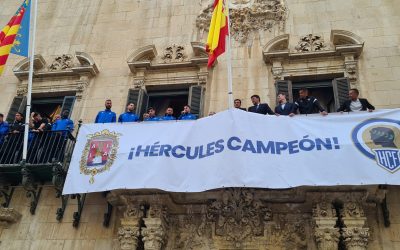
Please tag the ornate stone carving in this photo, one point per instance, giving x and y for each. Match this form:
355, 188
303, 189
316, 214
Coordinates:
311, 43
62, 62
173, 54
238, 216
22, 89
8, 216
249, 16
128, 237
352, 209
193, 233
288, 234
154, 234
327, 238
82, 85
356, 238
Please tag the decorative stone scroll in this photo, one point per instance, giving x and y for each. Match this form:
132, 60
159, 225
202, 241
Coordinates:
249, 16
174, 53
62, 62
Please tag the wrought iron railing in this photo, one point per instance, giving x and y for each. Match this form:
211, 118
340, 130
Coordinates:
43, 148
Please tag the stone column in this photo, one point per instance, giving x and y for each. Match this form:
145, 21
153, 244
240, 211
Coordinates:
325, 233
354, 232
154, 234
129, 231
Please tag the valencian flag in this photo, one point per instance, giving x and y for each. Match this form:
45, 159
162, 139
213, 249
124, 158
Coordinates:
14, 37
218, 31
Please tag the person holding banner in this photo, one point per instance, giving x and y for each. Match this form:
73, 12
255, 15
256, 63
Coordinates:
308, 104
129, 115
355, 104
284, 107
260, 108
106, 116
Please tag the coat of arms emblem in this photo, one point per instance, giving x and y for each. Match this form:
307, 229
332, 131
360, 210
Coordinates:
99, 153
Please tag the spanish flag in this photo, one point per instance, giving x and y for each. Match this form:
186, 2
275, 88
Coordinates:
8, 35
218, 31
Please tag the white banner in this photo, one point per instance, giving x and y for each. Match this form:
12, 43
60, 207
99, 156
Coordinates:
238, 149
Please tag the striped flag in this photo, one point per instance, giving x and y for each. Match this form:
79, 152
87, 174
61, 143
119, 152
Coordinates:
217, 33
8, 36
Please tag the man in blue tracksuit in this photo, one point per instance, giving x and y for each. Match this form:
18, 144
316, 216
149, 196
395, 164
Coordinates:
64, 123
3, 128
129, 115
169, 115
151, 116
106, 116
186, 115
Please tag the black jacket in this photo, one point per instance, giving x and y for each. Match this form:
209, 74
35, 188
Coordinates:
345, 107
242, 109
308, 105
289, 108
263, 108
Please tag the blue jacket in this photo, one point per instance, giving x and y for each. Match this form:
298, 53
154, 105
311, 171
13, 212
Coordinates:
128, 117
153, 119
106, 116
63, 124
187, 116
169, 118
3, 131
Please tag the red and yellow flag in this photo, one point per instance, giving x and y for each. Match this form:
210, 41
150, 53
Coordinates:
7, 37
217, 33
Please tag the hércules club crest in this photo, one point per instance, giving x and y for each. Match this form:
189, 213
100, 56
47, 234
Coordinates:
99, 153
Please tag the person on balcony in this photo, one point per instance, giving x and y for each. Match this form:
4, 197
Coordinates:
3, 128
284, 107
169, 115
129, 115
259, 108
37, 123
18, 125
151, 116
64, 123
237, 103
355, 104
186, 114
106, 116
308, 104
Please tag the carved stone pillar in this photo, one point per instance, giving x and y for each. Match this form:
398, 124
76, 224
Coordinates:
277, 69
129, 231
350, 65
154, 234
325, 233
355, 232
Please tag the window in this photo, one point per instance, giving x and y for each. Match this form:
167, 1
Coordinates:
160, 100
47, 106
330, 92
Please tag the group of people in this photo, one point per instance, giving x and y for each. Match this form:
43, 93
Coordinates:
43, 146
108, 116
306, 104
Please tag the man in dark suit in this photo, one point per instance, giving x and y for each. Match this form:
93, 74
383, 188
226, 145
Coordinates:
355, 104
237, 103
260, 108
284, 107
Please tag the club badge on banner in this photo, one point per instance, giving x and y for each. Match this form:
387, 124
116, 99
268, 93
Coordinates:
238, 149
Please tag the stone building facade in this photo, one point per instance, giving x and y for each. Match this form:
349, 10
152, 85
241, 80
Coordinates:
147, 51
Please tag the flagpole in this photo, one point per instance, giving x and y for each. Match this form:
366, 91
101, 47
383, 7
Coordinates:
229, 59
30, 78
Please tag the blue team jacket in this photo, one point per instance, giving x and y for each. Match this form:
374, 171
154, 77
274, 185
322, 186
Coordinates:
128, 117
63, 124
187, 116
153, 119
106, 116
169, 118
